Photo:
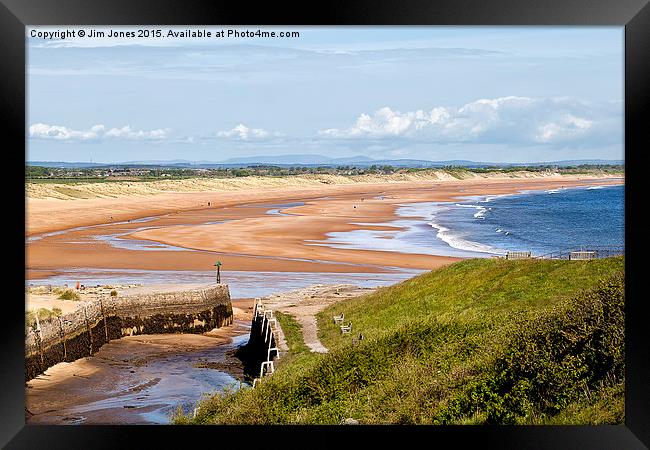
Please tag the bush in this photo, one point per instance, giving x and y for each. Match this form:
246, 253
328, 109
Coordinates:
113, 293
69, 294
46, 314
30, 319
554, 360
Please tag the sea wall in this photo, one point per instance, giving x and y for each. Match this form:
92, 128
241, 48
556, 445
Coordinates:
82, 332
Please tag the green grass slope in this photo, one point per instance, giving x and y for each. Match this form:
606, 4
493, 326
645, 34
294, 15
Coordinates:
481, 341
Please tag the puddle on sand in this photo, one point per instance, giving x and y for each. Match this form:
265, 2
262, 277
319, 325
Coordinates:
274, 209
38, 237
158, 387
117, 241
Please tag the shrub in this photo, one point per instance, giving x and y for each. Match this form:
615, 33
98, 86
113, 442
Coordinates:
46, 314
554, 360
30, 318
113, 293
69, 294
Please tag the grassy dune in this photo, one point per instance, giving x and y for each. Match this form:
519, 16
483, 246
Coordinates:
70, 189
481, 341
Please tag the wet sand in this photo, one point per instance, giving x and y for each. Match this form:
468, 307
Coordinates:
140, 379
242, 229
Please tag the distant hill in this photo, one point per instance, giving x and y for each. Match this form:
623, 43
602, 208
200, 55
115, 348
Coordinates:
64, 164
316, 160
296, 160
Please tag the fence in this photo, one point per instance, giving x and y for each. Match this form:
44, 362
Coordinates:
518, 255
585, 253
263, 338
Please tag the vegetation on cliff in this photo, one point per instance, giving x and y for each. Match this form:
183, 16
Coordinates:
481, 341
43, 314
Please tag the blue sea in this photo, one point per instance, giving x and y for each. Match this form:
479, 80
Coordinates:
538, 221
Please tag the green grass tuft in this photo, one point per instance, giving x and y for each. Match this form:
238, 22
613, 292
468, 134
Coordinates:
43, 314
292, 333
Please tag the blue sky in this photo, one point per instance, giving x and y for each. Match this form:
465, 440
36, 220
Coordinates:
500, 94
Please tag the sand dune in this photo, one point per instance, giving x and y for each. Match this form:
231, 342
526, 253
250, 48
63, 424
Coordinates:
52, 207
88, 190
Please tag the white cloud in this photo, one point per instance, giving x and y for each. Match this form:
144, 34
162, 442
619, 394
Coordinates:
127, 133
44, 131
96, 132
567, 126
243, 133
500, 120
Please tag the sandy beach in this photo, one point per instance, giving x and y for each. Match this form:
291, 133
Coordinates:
250, 229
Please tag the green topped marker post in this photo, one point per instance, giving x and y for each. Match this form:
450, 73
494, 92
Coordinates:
218, 266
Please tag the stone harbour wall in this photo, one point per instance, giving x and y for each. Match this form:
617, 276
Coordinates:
82, 332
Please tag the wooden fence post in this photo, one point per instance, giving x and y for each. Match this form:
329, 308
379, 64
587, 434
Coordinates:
65, 350
101, 306
90, 334
39, 339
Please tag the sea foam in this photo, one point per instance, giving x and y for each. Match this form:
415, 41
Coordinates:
455, 241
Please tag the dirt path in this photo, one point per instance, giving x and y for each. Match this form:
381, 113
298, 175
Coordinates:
304, 304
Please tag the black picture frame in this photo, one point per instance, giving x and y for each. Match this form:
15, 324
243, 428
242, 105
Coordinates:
634, 15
